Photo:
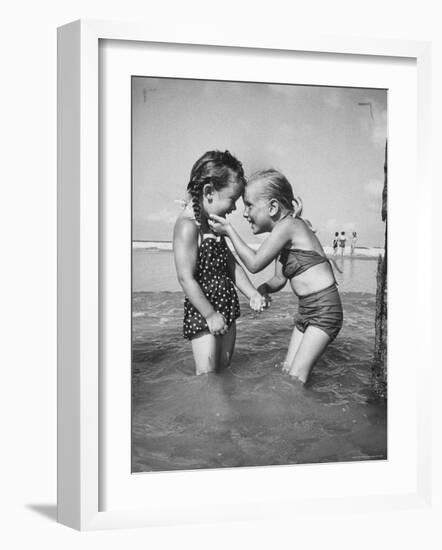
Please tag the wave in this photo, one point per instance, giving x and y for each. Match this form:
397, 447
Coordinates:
366, 252
152, 245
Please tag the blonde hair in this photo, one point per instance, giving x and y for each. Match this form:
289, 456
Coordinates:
277, 187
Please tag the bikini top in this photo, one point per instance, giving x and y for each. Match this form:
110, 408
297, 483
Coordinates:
295, 261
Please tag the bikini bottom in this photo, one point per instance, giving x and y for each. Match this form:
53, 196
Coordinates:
321, 309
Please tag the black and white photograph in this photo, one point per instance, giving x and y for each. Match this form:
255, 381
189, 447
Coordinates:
259, 274
196, 344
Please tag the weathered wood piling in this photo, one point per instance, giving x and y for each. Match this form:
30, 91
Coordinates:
379, 368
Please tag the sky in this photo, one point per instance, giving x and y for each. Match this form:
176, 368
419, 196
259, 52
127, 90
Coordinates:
330, 148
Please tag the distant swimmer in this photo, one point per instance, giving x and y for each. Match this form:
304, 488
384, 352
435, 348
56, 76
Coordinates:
354, 238
335, 243
342, 241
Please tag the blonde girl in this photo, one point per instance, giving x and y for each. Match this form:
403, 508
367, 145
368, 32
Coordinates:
271, 207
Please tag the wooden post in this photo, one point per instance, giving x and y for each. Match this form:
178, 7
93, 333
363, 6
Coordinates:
379, 368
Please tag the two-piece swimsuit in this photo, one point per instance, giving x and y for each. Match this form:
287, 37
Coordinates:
212, 274
321, 309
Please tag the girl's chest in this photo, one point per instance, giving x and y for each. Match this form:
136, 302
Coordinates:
213, 255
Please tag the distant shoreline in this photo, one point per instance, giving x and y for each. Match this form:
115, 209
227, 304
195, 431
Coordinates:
360, 251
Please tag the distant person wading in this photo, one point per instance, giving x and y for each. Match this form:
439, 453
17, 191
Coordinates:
354, 238
342, 241
335, 243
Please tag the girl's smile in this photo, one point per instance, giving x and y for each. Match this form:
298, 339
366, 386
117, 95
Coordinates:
223, 201
256, 210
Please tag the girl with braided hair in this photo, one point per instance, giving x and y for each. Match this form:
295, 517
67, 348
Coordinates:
206, 269
270, 206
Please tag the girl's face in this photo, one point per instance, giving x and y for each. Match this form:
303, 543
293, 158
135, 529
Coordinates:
222, 202
256, 209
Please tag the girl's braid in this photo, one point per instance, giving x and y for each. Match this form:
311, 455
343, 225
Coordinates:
195, 190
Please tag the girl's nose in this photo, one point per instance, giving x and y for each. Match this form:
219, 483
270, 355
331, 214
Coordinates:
244, 214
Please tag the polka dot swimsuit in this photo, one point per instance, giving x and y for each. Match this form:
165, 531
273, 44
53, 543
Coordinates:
213, 276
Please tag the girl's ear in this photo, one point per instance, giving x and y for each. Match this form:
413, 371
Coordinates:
208, 191
274, 207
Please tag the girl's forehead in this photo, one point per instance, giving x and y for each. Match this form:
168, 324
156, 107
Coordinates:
237, 183
253, 191
236, 187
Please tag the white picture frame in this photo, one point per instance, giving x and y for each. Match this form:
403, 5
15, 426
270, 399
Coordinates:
80, 294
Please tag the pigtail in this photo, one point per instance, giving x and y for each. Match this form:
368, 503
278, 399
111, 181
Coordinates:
196, 207
195, 197
195, 190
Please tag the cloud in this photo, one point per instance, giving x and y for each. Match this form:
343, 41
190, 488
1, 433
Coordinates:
164, 216
348, 226
373, 188
331, 224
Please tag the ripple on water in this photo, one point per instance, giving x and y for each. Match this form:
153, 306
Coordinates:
252, 413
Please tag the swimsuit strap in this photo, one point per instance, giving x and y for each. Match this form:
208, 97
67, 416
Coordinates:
205, 236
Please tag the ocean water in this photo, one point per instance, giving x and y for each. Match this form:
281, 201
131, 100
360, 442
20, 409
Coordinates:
153, 270
251, 414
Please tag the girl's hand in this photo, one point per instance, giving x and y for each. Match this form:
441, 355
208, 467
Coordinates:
263, 290
218, 224
257, 302
216, 323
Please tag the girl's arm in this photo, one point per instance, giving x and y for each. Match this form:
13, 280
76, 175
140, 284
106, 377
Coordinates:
239, 277
185, 247
277, 282
335, 265
243, 283
254, 260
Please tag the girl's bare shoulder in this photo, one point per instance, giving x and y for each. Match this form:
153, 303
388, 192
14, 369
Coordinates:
303, 236
283, 232
294, 227
185, 227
